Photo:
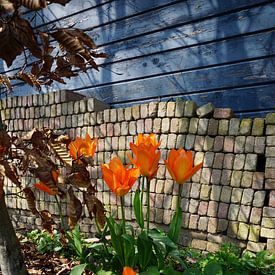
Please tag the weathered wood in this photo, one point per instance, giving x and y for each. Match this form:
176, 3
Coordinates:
247, 21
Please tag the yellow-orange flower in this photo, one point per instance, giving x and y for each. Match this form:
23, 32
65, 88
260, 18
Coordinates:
180, 165
83, 147
128, 271
51, 186
146, 155
119, 179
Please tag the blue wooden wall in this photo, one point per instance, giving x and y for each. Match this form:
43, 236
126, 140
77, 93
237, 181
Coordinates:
219, 51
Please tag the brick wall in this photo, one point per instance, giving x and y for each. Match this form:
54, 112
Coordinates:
232, 198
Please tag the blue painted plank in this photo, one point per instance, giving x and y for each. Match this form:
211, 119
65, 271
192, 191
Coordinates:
260, 97
256, 19
193, 58
189, 82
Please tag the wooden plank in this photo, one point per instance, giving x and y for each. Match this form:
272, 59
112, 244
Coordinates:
177, 14
89, 14
260, 97
231, 50
193, 58
256, 19
185, 83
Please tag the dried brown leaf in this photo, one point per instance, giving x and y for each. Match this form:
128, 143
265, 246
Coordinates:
47, 220
30, 200
34, 4
8, 169
74, 208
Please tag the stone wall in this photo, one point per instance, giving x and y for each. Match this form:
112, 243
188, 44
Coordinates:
232, 198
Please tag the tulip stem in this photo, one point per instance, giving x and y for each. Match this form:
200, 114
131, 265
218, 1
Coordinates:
179, 196
142, 191
60, 212
123, 214
148, 203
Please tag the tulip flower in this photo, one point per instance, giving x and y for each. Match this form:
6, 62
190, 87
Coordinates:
119, 179
146, 155
51, 186
146, 158
128, 271
180, 165
82, 147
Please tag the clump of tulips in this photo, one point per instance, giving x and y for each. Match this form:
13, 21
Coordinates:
151, 248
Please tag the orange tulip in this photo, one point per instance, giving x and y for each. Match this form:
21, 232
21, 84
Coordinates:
180, 165
128, 271
119, 179
83, 147
146, 155
51, 186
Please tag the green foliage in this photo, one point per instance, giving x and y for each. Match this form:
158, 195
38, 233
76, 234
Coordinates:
45, 242
175, 226
138, 209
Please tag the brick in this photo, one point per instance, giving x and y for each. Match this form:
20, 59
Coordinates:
174, 125
270, 245
247, 179
258, 180
162, 108
171, 108
136, 112
203, 223
251, 162
245, 127
223, 210
212, 247
269, 212
228, 146
157, 125
153, 109
270, 184
259, 198
223, 113
236, 178
190, 108
239, 144
258, 127
270, 118
233, 212
267, 233
226, 177
218, 160
228, 161
233, 227
148, 125
193, 126
193, 206
215, 192
208, 143
193, 222
216, 176
271, 202
255, 246
179, 109
205, 175
190, 142
165, 125
268, 222
180, 141
213, 127
270, 140
199, 142
208, 159
212, 225
205, 110
223, 127
183, 125
244, 213
203, 207
218, 143
270, 173
243, 231
202, 126
270, 162
270, 152
226, 194
113, 115
212, 209
239, 162
249, 144
199, 244
234, 125
247, 196
256, 215
205, 192
259, 146
144, 109
236, 196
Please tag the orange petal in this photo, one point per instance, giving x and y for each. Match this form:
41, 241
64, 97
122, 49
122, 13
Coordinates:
43, 187
128, 271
